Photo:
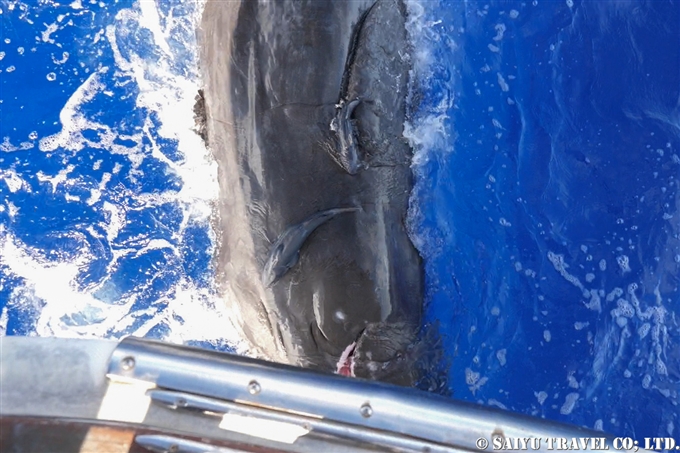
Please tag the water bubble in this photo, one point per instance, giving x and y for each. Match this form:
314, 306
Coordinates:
624, 308
11, 69
33, 135
501, 355
646, 381
20, 50
643, 330
569, 403
51, 77
471, 377
624, 263
581, 325
541, 397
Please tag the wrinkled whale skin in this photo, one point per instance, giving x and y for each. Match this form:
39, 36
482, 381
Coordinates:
271, 72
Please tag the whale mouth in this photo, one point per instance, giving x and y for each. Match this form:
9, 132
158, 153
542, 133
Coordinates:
345, 366
383, 351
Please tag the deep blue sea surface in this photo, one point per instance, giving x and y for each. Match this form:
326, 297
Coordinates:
546, 140
547, 136
106, 191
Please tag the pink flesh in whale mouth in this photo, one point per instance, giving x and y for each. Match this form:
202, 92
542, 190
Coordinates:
345, 366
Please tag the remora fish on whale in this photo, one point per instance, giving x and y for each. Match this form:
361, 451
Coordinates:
285, 252
359, 279
346, 151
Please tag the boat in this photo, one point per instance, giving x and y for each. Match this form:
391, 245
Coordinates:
141, 395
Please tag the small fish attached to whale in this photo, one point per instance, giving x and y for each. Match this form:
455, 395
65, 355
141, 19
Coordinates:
285, 252
347, 154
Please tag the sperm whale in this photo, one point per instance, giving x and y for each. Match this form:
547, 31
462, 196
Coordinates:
285, 252
359, 270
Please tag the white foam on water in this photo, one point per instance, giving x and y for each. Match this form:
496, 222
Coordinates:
165, 91
4, 319
12, 180
541, 397
49, 286
547, 336
427, 132
501, 355
474, 380
569, 403
73, 122
650, 329
496, 403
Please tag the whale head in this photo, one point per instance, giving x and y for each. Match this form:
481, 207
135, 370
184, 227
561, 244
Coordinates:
384, 351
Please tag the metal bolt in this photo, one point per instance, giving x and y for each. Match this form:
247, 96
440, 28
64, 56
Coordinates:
366, 410
127, 363
254, 388
181, 402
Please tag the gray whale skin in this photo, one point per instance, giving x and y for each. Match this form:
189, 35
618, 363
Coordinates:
271, 73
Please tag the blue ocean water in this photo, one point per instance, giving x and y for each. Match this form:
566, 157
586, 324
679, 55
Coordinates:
546, 166
546, 204
106, 191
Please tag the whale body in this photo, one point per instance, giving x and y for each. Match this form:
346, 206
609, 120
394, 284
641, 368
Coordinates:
271, 72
